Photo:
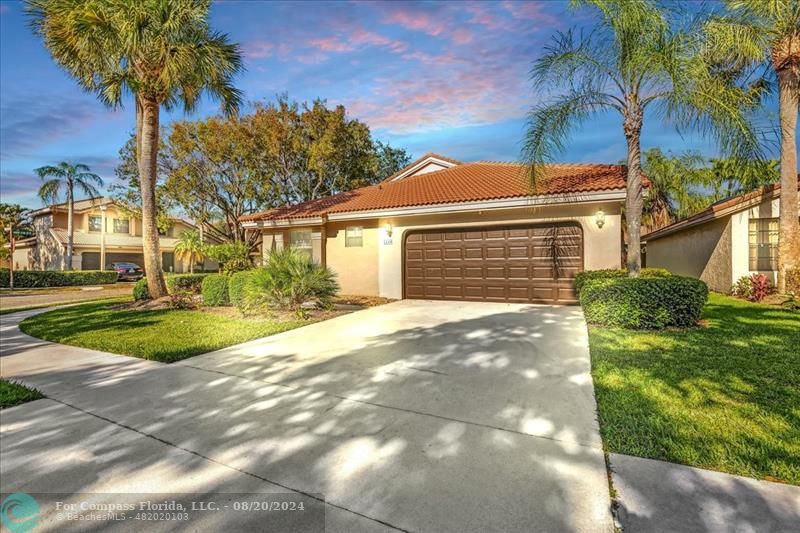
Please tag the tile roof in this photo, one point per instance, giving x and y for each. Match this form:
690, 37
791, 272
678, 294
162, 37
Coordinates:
467, 182
719, 209
429, 155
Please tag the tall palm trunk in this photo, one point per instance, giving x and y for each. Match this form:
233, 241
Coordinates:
70, 226
789, 227
147, 157
634, 200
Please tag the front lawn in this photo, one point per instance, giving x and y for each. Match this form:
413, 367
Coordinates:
160, 335
12, 394
725, 396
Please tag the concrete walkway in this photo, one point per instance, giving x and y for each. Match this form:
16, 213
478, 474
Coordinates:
656, 496
414, 416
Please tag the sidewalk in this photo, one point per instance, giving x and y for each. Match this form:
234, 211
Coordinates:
656, 496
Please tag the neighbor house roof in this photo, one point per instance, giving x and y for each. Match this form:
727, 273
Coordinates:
414, 166
466, 182
719, 209
79, 205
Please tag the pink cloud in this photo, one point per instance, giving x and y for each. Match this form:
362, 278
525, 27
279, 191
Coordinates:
257, 49
418, 21
331, 44
529, 11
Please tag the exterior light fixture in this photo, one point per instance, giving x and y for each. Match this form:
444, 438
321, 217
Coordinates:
388, 228
600, 218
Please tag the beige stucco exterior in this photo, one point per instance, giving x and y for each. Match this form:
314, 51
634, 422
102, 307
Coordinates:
716, 251
376, 268
47, 251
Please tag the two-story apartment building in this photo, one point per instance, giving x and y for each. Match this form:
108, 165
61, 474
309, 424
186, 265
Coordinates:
103, 234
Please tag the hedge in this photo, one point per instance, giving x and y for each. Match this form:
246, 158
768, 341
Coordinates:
644, 302
215, 290
582, 277
184, 282
55, 278
175, 282
140, 290
236, 287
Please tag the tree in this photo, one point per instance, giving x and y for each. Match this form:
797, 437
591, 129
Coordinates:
733, 176
633, 62
126, 192
313, 151
219, 169
390, 160
163, 53
190, 245
67, 176
14, 220
673, 192
760, 33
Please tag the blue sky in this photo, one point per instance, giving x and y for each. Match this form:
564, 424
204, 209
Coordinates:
448, 77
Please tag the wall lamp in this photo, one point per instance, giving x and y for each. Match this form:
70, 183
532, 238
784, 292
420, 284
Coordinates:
600, 218
388, 229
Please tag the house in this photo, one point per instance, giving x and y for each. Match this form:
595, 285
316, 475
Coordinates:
733, 238
102, 234
443, 229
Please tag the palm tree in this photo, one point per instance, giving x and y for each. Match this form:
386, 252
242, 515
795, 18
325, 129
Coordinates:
163, 53
673, 193
67, 176
190, 245
633, 62
759, 32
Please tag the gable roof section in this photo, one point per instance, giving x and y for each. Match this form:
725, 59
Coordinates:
79, 205
719, 209
416, 166
467, 182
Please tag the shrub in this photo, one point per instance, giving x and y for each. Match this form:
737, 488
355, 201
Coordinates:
25, 279
184, 282
215, 290
743, 287
233, 256
289, 281
181, 299
753, 288
140, 290
236, 285
644, 302
582, 277
761, 287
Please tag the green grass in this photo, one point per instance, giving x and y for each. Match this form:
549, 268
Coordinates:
160, 335
12, 394
9, 310
723, 397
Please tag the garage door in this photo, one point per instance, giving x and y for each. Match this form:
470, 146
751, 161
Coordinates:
91, 260
531, 263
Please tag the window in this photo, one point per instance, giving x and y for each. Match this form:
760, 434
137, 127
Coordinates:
95, 223
764, 244
301, 240
121, 225
353, 237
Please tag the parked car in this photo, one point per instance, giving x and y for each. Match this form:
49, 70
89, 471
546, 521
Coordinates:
128, 271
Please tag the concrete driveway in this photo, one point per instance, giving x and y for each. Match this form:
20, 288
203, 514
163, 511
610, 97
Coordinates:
413, 416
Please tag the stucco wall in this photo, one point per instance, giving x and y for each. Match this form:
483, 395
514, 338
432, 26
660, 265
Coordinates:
602, 246
701, 252
740, 229
355, 267
376, 268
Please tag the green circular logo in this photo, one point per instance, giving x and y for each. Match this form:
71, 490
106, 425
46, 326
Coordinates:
19, 512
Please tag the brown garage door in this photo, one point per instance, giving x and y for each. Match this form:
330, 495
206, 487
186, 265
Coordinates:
531, 263
91, 260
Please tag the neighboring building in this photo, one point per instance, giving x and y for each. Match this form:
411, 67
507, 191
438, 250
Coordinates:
732, 238
100, 228
442, 229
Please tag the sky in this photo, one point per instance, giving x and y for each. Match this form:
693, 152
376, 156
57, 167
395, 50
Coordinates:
446, 77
